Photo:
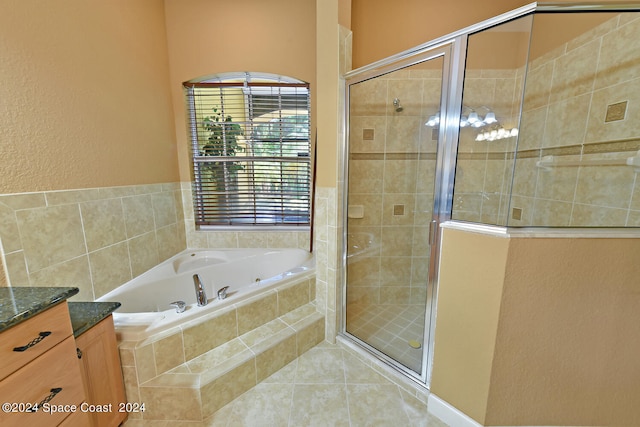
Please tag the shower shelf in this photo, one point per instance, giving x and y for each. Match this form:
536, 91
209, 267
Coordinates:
551, 162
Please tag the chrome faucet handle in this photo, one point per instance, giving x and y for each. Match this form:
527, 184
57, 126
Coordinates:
180, 306
222, 292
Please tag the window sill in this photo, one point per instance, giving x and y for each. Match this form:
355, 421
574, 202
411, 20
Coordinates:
255, 228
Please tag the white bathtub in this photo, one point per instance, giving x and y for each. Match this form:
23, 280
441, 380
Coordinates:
146, 300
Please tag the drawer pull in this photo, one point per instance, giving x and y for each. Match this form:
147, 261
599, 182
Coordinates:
40, 337
54, 392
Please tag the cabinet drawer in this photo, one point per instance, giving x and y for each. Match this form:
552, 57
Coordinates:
53, 323
77, 419
56, 369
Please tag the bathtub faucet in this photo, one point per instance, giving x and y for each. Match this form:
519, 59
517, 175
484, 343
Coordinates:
222, 292
201, 295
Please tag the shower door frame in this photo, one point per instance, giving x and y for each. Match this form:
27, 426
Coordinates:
451, 51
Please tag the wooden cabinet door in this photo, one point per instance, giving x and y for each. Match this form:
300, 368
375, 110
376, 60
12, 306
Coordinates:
102, 373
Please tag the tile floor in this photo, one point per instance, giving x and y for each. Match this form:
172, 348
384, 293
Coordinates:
390, 328
326, 386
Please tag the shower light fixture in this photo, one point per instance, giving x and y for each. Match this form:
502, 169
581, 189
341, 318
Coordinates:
496, 133
433, 120
473, 119
490, 118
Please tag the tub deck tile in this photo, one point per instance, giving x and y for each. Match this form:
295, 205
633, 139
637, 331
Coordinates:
264, 332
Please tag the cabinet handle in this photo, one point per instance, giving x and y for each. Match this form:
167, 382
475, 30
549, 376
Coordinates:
36, 340
47, 399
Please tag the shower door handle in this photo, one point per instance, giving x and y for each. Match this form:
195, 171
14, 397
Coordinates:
433, 229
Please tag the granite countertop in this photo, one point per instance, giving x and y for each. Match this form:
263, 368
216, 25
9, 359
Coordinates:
21, 303
85, 315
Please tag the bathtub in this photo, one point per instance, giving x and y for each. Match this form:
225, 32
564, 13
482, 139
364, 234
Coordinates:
147, 300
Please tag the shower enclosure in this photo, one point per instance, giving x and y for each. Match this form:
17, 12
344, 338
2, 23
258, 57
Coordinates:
525, 120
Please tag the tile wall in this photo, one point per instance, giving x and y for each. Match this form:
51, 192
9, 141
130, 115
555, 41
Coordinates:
98, 239
94, 239
566, 116
391, 181
566, 97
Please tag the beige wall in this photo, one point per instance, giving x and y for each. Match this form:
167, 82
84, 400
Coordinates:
84, 93
538, 331
210, 37
382, 28
471, 277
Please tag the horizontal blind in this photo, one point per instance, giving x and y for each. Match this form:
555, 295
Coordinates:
251, 153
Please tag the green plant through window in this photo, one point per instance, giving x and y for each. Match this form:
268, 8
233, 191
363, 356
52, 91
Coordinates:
222, 141
251, 152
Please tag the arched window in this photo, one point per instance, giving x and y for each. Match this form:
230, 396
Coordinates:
250, 139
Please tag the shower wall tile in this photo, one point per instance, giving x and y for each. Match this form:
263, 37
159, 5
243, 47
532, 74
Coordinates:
618, 61
567, 122
369, 98
557, 183
366, 176
372, 143
608, 186
597, 129
409, 93
394, 241
538, 87
51, 238
401, 135
575, 72
551, 212
595, 216
400, 176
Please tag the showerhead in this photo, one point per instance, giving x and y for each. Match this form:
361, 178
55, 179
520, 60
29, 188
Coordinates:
396, 104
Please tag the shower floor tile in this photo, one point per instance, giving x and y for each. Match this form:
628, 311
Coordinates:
390, 328
326, 386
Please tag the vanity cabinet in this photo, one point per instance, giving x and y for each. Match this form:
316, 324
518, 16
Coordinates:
102, 374
39, 366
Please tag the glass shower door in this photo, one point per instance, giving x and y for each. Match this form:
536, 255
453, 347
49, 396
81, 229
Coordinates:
393, 128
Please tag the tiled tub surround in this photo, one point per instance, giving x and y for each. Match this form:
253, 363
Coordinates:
190, 371
150, 302
567, 94
96, 239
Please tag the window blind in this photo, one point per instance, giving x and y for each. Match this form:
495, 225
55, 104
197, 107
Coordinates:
251, 153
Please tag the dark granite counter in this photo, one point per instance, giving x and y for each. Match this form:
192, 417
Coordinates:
85, 315
21, 303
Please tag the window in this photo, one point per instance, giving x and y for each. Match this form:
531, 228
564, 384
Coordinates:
251, 146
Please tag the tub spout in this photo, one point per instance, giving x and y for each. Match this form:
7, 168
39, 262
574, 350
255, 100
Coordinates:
201, 295
222, 292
